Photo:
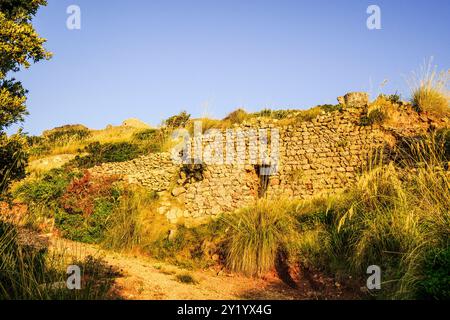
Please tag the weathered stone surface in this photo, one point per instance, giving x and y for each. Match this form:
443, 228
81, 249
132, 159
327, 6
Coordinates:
173, 214
177, 191
357, 100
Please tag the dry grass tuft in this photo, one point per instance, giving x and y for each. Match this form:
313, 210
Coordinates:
429, 89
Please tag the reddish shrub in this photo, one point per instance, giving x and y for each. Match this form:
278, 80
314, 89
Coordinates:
81, 193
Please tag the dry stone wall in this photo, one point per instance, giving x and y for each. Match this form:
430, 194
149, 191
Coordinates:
154, 171
324, 155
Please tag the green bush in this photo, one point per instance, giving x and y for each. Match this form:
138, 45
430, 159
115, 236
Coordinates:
42, 196
275, 114
85, 207
46, 190
394, 98
263, 113
89, 229
66, 134
39, 150
13, 160
80, 206
147, 134
109, 152
375, 116
151, 140
178, 121
435, 280
330, 107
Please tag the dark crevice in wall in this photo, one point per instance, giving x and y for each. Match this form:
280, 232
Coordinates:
263, 172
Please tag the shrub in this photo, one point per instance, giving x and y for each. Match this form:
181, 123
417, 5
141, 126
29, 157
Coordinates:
147, 134
275, 114
238, 116
109, 152
89, 229
13, 160
81, 194
45, 190
256, 234
394, 98
378, 110
376, 116
34, 140
38, 150
264, 113
429, 89
435, 278
308, 115
41, 195
330, 107
66, 134
177, 121
85, 208
186, 278
152, 140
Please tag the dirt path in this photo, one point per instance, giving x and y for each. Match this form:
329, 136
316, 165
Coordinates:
145, 278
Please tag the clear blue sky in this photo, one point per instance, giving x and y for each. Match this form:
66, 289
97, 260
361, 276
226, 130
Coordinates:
151, 59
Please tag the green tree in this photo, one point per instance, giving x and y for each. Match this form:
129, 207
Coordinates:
13, 160
178, 120
20, 46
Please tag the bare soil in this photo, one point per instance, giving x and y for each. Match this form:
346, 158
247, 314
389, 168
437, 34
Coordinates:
141, 278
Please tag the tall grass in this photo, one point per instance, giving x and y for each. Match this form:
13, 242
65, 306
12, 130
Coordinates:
134, 224
429, 89
394, 217
34, 273
125, 225
256, 234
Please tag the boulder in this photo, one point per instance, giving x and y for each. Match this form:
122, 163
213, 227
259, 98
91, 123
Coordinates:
177, 191
354, 100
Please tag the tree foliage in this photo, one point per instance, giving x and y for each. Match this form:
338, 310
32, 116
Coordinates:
178, 120
13, 159
20, 45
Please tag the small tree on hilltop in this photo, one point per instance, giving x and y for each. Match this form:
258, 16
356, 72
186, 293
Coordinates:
178, 120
